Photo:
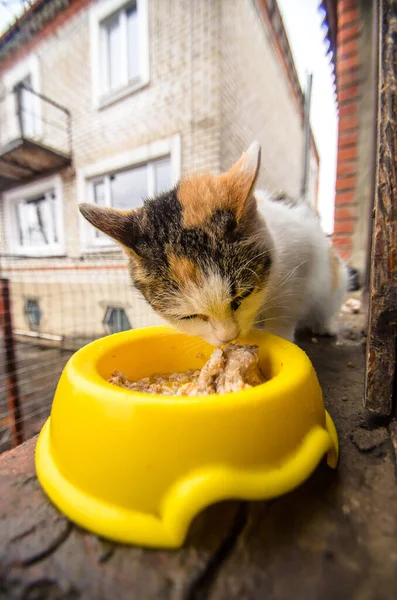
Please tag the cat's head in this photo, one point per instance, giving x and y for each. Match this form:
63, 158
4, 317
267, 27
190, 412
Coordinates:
200, 254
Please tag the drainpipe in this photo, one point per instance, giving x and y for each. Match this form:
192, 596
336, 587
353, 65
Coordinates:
307, 136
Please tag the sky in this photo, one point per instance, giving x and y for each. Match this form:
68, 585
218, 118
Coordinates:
302, 21
9, 9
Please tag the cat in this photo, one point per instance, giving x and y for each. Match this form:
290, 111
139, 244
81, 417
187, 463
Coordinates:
214, 258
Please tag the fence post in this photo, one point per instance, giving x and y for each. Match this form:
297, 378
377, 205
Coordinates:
381, 364
14, 405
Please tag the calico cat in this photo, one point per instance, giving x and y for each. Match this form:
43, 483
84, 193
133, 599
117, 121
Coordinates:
214, 258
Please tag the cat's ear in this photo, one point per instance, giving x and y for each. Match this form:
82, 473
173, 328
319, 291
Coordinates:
242, 177
118, 224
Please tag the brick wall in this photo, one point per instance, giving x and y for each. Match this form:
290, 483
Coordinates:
182, 96
216, 79
356, 83
347, 63
259, 99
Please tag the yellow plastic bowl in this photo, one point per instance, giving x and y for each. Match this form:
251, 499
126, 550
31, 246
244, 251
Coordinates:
137, 467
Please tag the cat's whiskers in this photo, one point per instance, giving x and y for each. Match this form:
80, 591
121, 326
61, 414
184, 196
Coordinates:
284, 280
287, 294
288, 276
190, 348
252, 259
268, 319
247, 269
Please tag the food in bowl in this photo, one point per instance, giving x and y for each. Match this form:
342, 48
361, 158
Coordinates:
230, 369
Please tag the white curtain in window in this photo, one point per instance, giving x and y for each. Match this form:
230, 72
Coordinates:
37, 223
121, 48
133, 43
114, 53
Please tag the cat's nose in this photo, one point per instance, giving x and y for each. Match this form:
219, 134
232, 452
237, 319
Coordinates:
227, 340
225, 332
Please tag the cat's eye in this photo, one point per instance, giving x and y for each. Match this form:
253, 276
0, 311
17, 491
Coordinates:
235, 303
189, 317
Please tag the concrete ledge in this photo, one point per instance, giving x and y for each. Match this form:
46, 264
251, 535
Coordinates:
333, 538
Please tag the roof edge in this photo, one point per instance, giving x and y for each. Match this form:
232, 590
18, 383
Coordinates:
29, 24
330, 24
271, 13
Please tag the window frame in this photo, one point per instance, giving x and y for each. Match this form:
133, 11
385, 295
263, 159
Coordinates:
116, 307
106, 179
26, 192
88, 176
26, 313
99, 13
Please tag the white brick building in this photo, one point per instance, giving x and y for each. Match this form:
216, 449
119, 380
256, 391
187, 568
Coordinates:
154, 90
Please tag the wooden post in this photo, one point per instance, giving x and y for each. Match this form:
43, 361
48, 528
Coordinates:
367, 274
381, 372
14, 404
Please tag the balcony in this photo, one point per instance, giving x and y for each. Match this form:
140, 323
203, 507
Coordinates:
35, 137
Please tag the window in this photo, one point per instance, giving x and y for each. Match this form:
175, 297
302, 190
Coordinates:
32, 313
127, 188
123, 180
116, 320
35, 216
120, 47
36, 221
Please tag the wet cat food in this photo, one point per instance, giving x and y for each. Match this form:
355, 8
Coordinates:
231, 369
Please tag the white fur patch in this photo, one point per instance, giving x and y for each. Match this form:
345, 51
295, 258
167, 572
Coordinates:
299, 292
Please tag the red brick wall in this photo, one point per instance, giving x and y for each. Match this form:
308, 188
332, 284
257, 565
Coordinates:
347, 75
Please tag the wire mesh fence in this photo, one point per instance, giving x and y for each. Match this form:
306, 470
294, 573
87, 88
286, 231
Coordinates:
47, 313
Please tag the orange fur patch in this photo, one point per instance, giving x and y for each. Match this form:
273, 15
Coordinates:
240, 180
182, 269
201, 195
334, 263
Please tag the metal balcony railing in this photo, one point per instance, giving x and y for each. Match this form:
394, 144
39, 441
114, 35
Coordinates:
35, 136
